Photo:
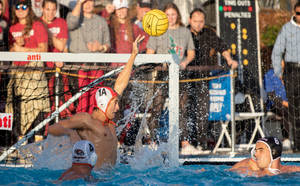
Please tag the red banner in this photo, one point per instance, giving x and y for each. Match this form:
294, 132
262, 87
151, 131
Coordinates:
6, 121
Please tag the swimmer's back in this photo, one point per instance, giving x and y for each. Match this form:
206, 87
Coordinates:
102, 136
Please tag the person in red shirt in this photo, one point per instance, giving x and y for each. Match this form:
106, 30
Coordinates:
27, 34
123, 31
3, 27
5, 10
3, 42
58, 37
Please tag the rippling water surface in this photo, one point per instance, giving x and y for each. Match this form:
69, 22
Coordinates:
124, 174
146, 168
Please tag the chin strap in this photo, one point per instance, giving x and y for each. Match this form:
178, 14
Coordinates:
272, 170
253, 154
107, 121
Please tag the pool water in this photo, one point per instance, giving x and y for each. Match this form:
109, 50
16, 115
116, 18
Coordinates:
147, 167
125, 174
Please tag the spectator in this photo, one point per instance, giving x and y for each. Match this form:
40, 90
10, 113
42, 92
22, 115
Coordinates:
107, 11
207, 43
277, 103
123, 32
27, 34
5, 10
288, 43
3, 27
37, 7
179, 39
3, 47
142, 7
58, 36
88, 33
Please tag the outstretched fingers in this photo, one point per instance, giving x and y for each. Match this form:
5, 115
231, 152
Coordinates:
135, 47
139, 38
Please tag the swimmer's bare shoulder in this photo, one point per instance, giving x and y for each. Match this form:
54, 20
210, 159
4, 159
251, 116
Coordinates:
247, 166
87, 126
242, 164
64, 127
289, 168
79, 120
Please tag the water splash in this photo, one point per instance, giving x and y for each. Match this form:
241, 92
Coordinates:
149, 156
54, 153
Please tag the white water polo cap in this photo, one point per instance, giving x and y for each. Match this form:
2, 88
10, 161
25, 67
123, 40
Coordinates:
84, 153
103, 96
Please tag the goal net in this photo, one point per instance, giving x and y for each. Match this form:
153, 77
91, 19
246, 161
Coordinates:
35, 96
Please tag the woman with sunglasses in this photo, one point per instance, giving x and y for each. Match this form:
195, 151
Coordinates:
27, 34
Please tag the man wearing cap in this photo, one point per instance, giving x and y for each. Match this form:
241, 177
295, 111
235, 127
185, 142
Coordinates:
98, 126
266, 155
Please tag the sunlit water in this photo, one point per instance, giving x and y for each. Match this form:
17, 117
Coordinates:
125, 174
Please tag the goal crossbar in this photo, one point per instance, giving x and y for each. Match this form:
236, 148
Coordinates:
84, 57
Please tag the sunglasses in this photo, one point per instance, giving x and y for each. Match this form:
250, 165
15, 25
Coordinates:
24, 7
297, 13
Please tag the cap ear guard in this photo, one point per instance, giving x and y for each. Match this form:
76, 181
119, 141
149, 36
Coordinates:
103, 97
253, 151
84, 153
93, 159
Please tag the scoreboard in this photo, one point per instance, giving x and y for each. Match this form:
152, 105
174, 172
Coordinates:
237, 26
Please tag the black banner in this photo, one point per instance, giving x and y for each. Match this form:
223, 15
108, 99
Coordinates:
237, 27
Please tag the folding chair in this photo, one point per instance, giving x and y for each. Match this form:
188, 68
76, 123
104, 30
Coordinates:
223, 118
241, 116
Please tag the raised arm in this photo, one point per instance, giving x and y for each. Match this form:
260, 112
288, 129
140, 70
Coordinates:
124, 76
77, 9
73, 18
